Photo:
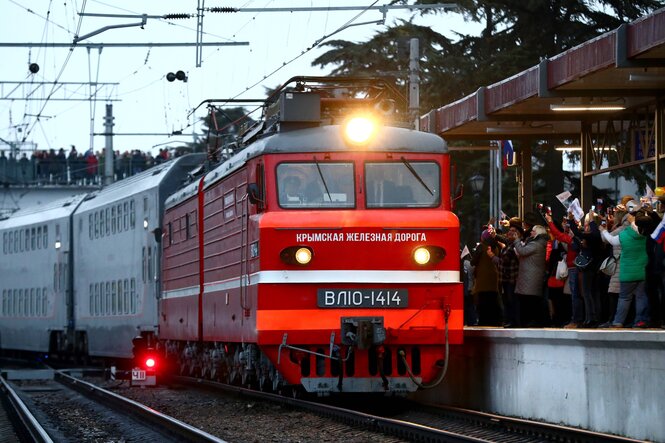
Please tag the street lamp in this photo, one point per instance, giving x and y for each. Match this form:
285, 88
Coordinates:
477, 182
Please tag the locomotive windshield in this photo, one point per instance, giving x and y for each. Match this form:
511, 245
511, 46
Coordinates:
316, 185
402, 184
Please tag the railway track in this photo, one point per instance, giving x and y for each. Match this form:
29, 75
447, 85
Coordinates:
16, 421
241, 415
68, 409
410, 421
484, 427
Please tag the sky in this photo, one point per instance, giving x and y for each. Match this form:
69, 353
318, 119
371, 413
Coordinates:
143, 100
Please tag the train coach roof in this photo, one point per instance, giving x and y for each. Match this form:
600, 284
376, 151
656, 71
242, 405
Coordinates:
38, 214
138, 183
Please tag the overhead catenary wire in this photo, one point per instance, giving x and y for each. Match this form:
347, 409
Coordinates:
286, 63
30, 123
53, 89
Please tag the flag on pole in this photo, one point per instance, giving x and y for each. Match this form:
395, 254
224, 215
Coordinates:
508, 153
659, 233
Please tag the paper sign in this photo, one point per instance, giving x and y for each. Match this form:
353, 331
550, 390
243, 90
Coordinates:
576, 209
565, 195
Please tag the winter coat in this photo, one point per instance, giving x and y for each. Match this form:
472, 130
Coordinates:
614, 285
532, 269
485, 274
633, 256
592, 246
571, 252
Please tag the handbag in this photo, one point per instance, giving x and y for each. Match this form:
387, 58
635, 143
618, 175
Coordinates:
561, 269
583, 261
609, 265
553, 282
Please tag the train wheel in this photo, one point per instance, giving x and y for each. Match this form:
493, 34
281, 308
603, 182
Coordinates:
265, 384
290, 391
233, 378
194, 369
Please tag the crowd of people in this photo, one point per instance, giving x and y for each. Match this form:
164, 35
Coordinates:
605, 270
73, 167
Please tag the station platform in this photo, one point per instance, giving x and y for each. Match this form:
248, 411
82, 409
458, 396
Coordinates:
603, 380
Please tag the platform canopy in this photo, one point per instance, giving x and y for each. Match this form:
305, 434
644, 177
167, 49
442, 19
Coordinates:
604, 97
624, 68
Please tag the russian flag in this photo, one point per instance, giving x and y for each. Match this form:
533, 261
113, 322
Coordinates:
659, 233
508, 153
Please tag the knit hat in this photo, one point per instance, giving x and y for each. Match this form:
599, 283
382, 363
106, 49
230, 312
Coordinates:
516, 223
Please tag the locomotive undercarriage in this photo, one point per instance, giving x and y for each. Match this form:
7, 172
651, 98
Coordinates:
320, 372
232, 363
349, 369
362, 363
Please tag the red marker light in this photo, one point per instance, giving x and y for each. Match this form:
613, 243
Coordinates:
150, 362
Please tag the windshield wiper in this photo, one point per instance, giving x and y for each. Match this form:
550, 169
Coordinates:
416, 175
325, 185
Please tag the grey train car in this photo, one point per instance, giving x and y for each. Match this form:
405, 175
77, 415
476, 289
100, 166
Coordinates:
117, 257
35, 276
81, 276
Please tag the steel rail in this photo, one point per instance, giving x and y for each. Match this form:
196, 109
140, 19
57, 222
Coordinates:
486, 427
27, 421
161, 422
403, 429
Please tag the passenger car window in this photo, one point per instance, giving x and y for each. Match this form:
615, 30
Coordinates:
316, 185
402, 184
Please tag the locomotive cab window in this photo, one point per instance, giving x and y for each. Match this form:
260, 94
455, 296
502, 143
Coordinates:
316, 185
402, 184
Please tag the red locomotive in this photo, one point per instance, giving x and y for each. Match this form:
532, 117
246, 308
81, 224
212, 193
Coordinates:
323, 254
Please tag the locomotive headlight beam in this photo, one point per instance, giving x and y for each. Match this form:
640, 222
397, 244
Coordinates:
303, 256
428, 255
422, 256
296, 255
360, 130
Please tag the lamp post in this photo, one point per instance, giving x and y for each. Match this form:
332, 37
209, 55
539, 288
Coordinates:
477, 182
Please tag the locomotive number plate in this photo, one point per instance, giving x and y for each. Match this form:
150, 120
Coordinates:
138, 374
362, 298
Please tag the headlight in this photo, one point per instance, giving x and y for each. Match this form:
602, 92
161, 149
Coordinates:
296, 255
303, 256
428, 255
421, 256
360, 130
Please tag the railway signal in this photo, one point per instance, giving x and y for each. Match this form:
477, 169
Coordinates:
145, 363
